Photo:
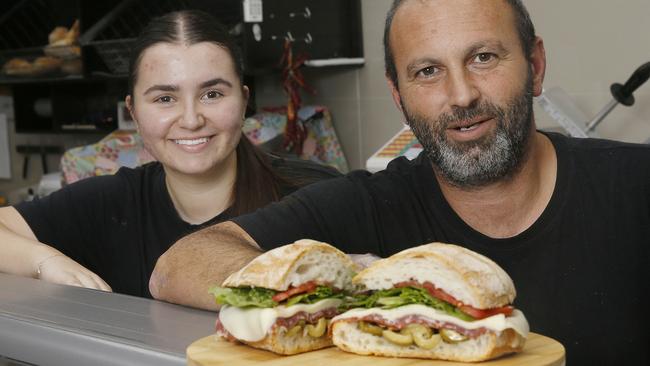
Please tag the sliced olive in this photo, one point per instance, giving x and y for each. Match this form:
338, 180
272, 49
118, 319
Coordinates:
422, 335
452, 336
426, 343
296, 328
399, 339
417, 329
318, 330
370, 328
293, 331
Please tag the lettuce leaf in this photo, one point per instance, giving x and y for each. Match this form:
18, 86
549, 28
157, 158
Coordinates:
395, 297
244, 296
263, 298
320, 293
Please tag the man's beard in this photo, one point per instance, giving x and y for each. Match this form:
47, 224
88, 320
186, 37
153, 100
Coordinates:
491, 158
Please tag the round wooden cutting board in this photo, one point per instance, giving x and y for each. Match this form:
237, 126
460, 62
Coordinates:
211, 351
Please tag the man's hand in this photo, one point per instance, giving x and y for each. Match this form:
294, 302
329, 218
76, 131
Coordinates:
62, 270
185, 273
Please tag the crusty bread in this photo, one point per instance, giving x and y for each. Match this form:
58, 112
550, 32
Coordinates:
348, 337
57, 34
467, 276
18, 66
61, 36
295, 264
277, 341
46, 64
63, 43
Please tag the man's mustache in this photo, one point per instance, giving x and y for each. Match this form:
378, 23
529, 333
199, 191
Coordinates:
460, 114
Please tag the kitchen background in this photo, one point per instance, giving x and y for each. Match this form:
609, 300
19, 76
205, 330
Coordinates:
590, 44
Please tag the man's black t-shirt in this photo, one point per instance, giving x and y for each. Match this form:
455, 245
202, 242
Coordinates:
582, 270
117, 226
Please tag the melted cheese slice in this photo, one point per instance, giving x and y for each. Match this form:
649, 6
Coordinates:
251, 324
496, 323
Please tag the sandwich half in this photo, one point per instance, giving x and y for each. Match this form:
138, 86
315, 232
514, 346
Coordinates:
435, 301
283, 300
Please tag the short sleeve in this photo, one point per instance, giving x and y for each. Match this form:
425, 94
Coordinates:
338, 211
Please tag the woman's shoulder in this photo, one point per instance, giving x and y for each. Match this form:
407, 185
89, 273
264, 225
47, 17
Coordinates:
124, 183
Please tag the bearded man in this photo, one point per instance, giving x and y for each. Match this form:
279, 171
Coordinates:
568, 219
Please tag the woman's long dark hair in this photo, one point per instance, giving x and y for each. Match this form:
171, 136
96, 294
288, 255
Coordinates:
256, 184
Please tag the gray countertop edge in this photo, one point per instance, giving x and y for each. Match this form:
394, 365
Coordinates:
44, 344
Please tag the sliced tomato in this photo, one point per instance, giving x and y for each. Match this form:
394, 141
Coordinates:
486, 313
440, 294
433, 291
469, 310
305, 287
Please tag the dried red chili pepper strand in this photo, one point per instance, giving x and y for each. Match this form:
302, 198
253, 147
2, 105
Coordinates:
292, 80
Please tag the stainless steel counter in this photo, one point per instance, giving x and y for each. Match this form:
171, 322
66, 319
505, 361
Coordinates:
46, 324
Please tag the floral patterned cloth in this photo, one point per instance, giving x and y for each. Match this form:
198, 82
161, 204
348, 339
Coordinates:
125, 148
119, 148
321, 145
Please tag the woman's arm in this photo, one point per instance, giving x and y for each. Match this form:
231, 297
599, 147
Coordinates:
24, 255
184, 274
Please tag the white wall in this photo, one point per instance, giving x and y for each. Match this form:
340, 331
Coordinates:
590, 44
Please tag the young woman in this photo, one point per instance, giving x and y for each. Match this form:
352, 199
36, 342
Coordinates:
188, 100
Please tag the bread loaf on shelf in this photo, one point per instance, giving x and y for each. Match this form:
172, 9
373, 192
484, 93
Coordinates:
63, 42
17, 67
46, 64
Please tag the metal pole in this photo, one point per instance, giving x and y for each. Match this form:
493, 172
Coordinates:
601, 115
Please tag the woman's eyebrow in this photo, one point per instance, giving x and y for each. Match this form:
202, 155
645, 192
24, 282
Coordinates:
173, 88
215, 81
162, 87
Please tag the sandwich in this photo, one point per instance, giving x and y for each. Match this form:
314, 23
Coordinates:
435, 301
283, 300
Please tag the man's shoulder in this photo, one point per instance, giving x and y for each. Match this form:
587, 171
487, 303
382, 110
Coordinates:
603, 151
402, 168
596, 159
401, 176
599, 145
403, 165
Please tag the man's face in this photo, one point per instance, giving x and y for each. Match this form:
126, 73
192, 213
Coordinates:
486, 159
465, 86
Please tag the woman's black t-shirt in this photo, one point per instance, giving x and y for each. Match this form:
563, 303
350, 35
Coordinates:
117, 226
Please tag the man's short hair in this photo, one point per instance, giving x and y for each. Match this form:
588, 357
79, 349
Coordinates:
524, 25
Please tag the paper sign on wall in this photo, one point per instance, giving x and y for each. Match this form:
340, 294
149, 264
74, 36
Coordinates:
5, 157
253, 11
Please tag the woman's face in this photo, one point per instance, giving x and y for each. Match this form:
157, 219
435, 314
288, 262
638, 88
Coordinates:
189, 105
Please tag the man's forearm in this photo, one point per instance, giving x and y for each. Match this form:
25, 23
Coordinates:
200, 260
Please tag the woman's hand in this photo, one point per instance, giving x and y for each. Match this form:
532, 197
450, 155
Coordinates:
62, 270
